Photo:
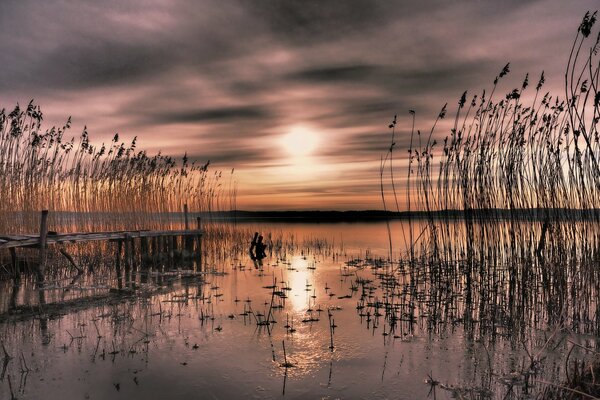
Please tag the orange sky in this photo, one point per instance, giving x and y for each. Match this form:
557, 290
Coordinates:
295, 96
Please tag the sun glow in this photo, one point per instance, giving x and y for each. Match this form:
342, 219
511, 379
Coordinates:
300, 141
298, 281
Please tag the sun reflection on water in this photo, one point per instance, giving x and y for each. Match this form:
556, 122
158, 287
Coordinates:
300, 279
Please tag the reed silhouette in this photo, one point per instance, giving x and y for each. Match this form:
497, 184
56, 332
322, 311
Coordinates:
510, 215
93, 187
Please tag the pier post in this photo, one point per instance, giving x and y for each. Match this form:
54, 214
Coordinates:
13, 262
133, 263
155, 251
199, 242
144, 252
188, 241
185, 217
160, 250
43, 237
127, 258
118, 263
171, 251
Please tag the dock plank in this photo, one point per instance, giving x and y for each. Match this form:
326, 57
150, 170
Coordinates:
13, 241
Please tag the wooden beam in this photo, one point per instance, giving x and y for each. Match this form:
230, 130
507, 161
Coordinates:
42, 243
33, 241
13, 259
71, 260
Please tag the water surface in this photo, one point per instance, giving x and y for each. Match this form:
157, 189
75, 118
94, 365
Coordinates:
202, 335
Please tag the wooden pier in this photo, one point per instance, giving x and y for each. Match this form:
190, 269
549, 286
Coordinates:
15, 241
158, 241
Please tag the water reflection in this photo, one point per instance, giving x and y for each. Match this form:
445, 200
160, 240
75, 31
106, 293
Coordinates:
300, 280
175, 332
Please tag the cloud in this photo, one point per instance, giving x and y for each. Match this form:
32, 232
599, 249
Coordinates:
345, 73
88, 65
304, 22
223, 79
223, 115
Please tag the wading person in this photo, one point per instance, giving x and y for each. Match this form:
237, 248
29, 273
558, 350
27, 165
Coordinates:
253, 246
260, 248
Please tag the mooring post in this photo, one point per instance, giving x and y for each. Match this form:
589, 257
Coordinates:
43, 237
199, 241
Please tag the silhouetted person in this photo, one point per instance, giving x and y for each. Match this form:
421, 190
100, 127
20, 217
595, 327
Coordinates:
253, 245
257, 250
260, 248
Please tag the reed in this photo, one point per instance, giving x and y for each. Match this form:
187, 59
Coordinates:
507, 233
93, 187
523, 151
522, 157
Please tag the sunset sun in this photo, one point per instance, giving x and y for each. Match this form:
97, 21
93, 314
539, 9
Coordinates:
300, 141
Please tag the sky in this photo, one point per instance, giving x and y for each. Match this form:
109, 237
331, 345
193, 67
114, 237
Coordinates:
294, 95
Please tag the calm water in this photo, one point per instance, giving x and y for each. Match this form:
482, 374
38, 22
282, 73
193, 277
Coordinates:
201, 336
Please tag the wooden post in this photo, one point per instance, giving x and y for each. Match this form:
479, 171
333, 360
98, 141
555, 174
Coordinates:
188, 241
132, 243
199, 242
71, 260
118, 263
171, 251
155, 252
14, 294
43, 236
127, 258
185, 216
13, 259
160, 250
144, 252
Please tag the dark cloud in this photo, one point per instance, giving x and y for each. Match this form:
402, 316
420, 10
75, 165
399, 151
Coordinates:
336, 73
402, 79
93, 64
232, 157
223, 115
225, 79
301, 21
359, 145
376, 107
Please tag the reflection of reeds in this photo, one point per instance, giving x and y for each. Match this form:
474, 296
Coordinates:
96, 187
581, 382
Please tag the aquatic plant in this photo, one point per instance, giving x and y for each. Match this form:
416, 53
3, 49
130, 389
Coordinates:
504, 216
93, 186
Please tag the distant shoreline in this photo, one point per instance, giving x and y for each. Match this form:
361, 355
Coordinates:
536, 214
316, 216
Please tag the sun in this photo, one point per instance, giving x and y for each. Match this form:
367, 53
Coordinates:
300, 141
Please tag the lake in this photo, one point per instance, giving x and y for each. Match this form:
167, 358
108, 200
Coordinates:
326, 315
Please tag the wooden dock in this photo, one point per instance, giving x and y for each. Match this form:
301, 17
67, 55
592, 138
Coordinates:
150, 241
15, 241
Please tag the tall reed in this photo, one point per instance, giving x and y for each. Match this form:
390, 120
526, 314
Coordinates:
510, 201
92, 187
